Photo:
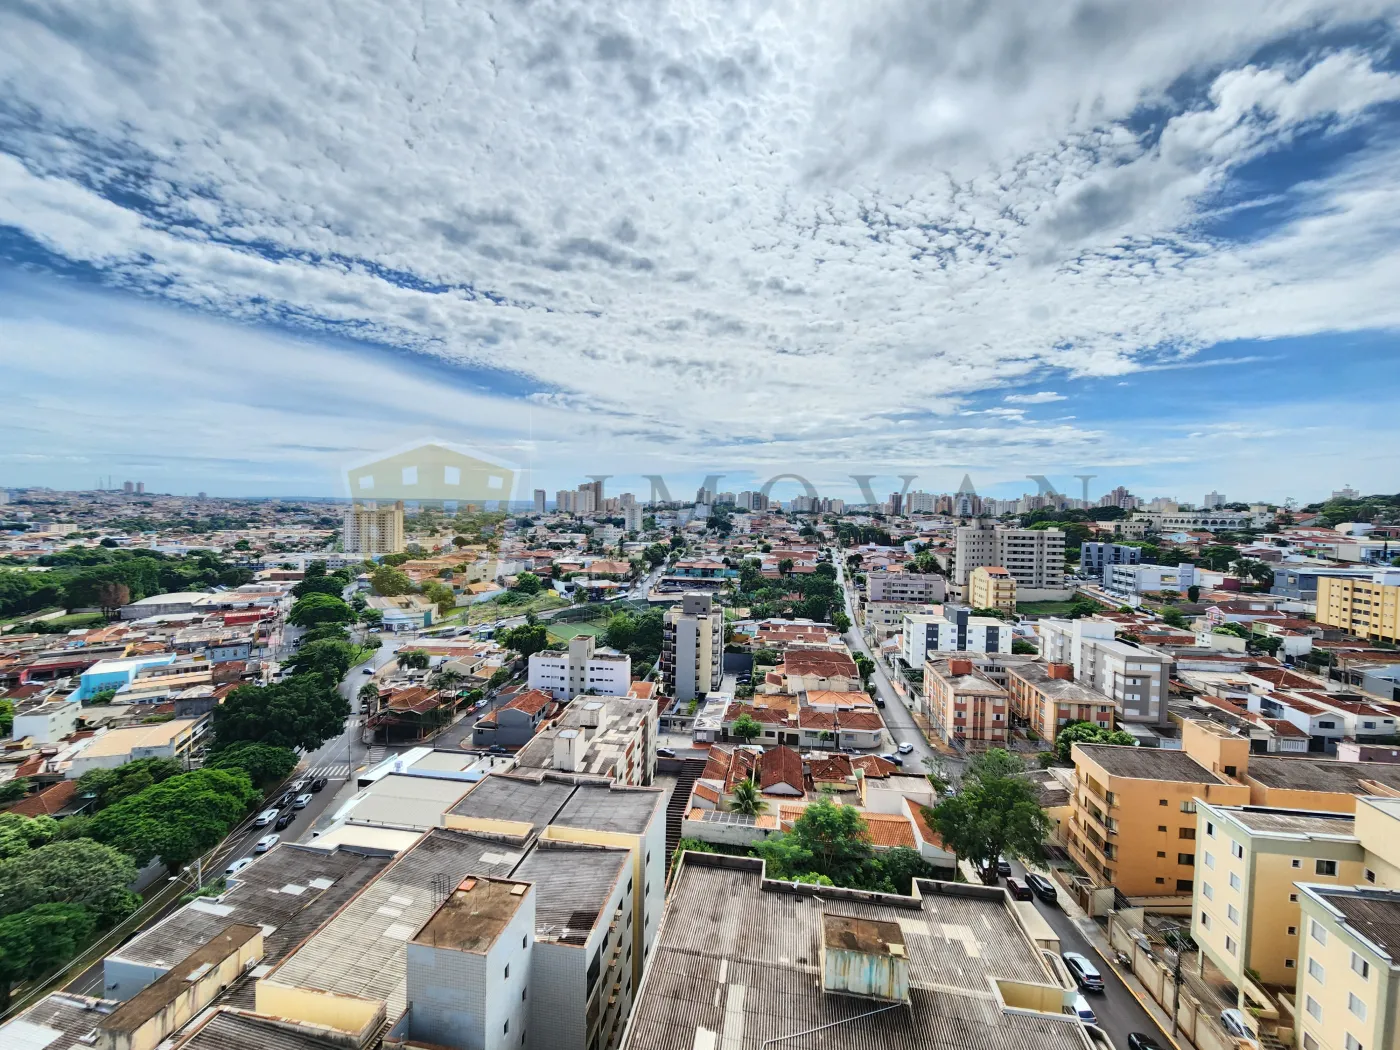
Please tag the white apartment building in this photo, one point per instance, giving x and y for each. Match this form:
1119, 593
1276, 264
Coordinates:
632, 516
905, 587
581, 668
1142, 579
1034, 557
539, 501
1135, 677
692, 647
373, 528
954, 630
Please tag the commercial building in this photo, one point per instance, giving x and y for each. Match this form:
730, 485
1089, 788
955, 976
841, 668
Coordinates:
692, 647
1046, 698
373, 528
1134, 678
905, 587
1145, 579
1369, 608
1133, 816
965, 705
1095, 559
403, 612
955, 630
1035, 558
991, 587
579, 669
742, 959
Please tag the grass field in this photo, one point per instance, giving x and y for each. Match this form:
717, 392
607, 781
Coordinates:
562, 632
1044, 608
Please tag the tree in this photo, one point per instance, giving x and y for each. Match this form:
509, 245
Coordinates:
326, 658
995, 814
20, 834
316, 609
1087, 733
37, 940
7, 717
527, 583
390, 581
1193, 594
178, 819
499, 678
1021, 647
264, 763
332, 585
836, 837
785, 566
107, 786
413, 658
1174, 618
80, 871
1235, 630
440, 595
747, 799
16, 789
304, 711
841, 622
527, 639
368, 694
746, 729
111, 595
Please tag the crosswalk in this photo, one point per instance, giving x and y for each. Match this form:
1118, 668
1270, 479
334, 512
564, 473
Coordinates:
334, 771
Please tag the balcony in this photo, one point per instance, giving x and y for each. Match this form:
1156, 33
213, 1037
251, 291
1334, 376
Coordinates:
1093, 813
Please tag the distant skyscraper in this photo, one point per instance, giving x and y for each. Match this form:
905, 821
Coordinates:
371, 528
895, 502
128, 486
204, 495
1213, 500
140, 487
539, 501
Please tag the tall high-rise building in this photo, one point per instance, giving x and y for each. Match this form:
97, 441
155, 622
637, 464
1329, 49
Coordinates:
566, 501
1213, 500
1034, 557
692, 647
140, 488
632, 517
539, 501
128, 486
896, 501
373, 528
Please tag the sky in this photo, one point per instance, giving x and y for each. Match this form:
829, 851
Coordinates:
242, 247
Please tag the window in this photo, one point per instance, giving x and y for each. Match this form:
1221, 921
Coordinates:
1230, 945
1234, 881
1183, 885
1210, 830
1289, 964
1309, 1043
1353, 1043
1162, 828
1160, 881
507, 1027
524, 941
1317, 971
1368, 874
1189, 806
1292, 898
1360, 967
1356, 1006
507, 974
1232, 913
1186, 833
522, 993
1326, 867
1186, 858
1205, 920
1314, 1009
1207, 891
1161, 853
1317, 931
1161, 802
1210, 860
1297, 862
1236, 850
1292, 931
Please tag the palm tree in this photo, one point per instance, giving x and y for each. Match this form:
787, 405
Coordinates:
746, 799
448, 681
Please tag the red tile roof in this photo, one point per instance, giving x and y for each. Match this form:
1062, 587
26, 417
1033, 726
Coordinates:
532, 702
822, 662
780, 765
47, 802
1283, 727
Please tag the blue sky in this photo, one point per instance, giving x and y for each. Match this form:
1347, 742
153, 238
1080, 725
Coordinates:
1156, 244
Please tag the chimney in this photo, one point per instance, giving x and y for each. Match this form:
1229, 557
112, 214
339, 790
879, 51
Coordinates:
568, 750
1063, 671
958, 668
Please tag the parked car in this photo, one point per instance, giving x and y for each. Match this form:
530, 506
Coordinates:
879, 701
366, 670
1042, 887
892, 758
302, 801
266, 843
1139, 1041
496, 749
1003, 867
905, 748
318, 784
237, 866
666, 752
265, 818
285, 799
1233, 1022
1084, 972
285, 820
1084, 1011
1019, 891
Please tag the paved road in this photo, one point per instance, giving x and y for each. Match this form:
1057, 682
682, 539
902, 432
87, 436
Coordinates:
1118, 1011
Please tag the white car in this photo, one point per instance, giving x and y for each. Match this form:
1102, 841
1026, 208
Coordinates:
237, 866
905, 748
265, 818
302, 801
266, 843
1233, 1022
1084, 1011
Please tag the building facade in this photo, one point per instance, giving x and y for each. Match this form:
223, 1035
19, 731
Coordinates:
1096, 558
579, 669
1034, 557
991, 587
955, 630
373, 528
967, 707
1135, 678
905, 587
1369, 608
1046, 698
692, 647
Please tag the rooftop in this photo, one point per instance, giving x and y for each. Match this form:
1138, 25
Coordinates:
159, 994
598, 807
528, 800
1374, 914
1321, 774
400, 800
1290, 823
572, 886
473, 915
116, 742
1062, 689
229, 1030
57, 1021
1149, 763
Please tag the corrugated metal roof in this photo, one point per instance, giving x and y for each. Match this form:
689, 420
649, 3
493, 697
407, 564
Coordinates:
572, 886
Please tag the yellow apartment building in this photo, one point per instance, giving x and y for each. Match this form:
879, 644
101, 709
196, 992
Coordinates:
991, 587
1133, 816
1348, 967
1368, 608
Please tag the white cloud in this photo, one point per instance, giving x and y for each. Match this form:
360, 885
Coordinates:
1038, 398
711, 228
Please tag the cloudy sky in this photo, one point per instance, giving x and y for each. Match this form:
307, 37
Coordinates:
243, 243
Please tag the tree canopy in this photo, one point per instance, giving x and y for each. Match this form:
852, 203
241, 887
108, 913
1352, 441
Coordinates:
304, 711
390, 581
37, 940
326, 658
527, 639
1087, 733
996, 814
79, 871
20, 834
317, 608
112, 785
264, 763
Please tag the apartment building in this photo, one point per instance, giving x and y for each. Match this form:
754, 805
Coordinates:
905, 587
1369, 608
883, 619
692, 647
612, 737
1096, 558
1348, 967
579, 669
1135, 678
955, 630
967, 707
1133, 816
1147, 579
1034, 557
991, 587
1046, 698
373, 528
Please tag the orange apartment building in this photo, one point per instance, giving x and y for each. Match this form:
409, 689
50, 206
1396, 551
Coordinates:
1047, 698
967, 707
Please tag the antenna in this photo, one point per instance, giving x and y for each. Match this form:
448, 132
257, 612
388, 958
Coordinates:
441, 887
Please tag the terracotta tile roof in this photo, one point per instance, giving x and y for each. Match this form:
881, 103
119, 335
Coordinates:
888, 830
706, 792
831, 769
642, 690
765, 715
417, 699
532, 703
717, 762
780, 765
1283, 727
822, 662
874, 765
741, 767
46, 802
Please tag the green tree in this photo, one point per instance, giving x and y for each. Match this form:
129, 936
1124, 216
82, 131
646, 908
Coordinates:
368, 694
304, 711
332, 585
178, 819
746, 799
264, 763
15, 789
1021, 647
1174, 618
79, 871
785, 566
1193, 594
7, 717
107, 786
841, 622
389, 581
499, 678
995, 814
20, 834
1235, 630
1088, 733
527, 583
440, 595
835, 836
413, 658
326, 658
746, 729
527, 639
37, 940
316, 609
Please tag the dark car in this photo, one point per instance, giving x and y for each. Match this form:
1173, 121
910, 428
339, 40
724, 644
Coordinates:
879, 701
496, 749
1084, 972
1003, 867
285, 819
1019, 892
666, 752
285, 799
1042, 887
319, 783
1139, 1041
892, 758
